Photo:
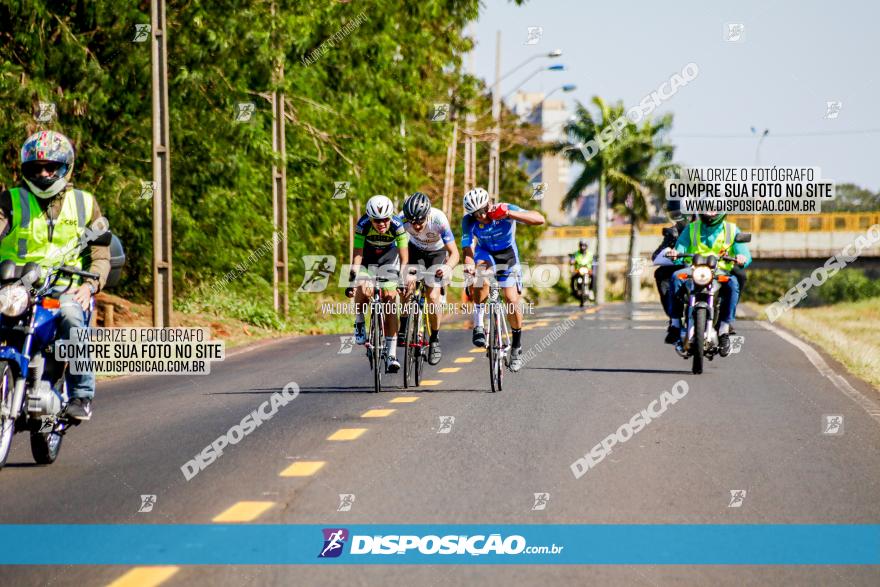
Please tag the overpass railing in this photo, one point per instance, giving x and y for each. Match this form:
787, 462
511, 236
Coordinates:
828, 222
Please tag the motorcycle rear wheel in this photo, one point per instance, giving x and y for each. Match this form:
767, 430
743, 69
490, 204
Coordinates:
45, 446
699, 339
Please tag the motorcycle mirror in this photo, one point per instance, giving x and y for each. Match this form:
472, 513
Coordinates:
98, 233
30, 274
743, 237
7, 270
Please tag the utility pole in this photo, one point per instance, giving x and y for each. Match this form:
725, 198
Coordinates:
495, 146
449, 178
162, 290
279, 195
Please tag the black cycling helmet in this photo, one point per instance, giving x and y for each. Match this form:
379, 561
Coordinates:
582, 245
416, 207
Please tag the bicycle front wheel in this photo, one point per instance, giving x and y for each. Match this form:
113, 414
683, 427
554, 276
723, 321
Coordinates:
422, 336
409, 350
377, 342
496, 349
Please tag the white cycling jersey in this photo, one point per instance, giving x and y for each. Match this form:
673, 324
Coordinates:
434, 234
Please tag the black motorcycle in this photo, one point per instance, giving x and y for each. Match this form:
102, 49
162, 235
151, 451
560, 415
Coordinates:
701, 308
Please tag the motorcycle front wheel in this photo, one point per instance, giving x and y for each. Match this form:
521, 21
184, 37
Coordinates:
7, 424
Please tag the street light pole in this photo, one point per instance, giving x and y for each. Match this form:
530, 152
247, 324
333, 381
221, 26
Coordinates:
495, 146
601, 241
758, 147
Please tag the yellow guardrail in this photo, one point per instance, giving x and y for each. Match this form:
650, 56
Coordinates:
830, 222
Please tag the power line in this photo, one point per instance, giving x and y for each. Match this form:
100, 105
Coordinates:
777, 134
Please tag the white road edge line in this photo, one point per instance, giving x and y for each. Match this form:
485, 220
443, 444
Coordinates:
819, 363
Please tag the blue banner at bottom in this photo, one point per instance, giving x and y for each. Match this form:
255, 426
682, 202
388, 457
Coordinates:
599, 544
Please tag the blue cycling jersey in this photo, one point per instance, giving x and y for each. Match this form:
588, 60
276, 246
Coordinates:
495, 236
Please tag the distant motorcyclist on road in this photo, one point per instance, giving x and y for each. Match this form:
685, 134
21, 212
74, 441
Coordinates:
582, 258
711, 235
43, 215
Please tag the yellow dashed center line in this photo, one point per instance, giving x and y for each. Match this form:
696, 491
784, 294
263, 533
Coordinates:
303, 469
449, 370
464, 360
349, 433
244, 511
378, 413
144, 577
477, 350
405, 399
431, 382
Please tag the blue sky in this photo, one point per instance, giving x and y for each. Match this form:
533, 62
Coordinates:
793, 58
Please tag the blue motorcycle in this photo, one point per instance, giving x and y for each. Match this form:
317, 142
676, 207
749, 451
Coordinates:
33, 389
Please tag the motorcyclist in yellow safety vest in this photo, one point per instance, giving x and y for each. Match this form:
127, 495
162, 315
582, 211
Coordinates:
711, 235
581, 258
43, 220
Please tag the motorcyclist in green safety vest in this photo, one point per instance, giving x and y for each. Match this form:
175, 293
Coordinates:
711, 235
582, 258
43, 220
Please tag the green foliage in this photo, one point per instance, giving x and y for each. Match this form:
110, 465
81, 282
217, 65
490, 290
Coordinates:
851, 198
847, 285
355, 75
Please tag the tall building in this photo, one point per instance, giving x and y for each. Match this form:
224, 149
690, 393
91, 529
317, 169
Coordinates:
551, 169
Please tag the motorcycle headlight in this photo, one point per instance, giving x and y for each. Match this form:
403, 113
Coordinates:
14, 300
583, 271
702, 275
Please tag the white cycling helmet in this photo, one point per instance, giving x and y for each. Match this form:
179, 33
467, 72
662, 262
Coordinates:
475, 199
380, 207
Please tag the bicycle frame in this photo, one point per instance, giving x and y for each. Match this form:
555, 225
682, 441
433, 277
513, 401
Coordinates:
499, 341
375, 343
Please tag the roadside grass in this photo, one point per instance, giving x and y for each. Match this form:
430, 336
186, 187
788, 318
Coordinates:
240, 316
848, 331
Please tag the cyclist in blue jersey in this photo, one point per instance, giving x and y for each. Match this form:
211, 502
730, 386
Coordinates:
488, 239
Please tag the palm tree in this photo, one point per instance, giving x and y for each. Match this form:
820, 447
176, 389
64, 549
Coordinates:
646, 159
602, 165
631, 167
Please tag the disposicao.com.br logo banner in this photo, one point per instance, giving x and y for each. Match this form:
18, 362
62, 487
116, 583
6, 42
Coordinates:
430, 544
609, 544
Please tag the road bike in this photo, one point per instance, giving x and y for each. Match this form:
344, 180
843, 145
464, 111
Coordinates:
499, 341
417, 337
375, 344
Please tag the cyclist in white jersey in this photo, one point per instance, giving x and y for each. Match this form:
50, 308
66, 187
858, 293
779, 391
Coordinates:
433, 254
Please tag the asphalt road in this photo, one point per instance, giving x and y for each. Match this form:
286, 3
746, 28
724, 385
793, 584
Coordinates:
752, 422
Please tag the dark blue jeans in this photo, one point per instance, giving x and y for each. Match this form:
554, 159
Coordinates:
73, 316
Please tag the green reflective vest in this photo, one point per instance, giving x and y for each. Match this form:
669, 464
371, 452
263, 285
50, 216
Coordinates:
721, 246
28, 239
583, 259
